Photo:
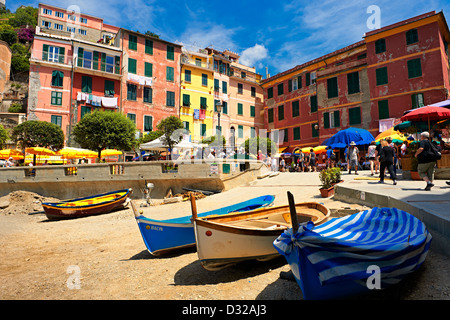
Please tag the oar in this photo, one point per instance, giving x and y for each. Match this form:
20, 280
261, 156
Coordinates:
193, 207
293, 212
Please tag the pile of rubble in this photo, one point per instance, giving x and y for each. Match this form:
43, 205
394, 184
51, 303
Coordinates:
23, 202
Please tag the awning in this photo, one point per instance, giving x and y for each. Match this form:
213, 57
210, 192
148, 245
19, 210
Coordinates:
281, 150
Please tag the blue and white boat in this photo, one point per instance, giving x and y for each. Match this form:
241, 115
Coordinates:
161, 236
352, 255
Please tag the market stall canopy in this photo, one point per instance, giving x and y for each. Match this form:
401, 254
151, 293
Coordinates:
7, 153
76, 153
428, 113
344, 137
394, 135
40, 151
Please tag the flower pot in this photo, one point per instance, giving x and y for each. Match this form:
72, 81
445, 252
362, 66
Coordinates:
415, 175
327, 192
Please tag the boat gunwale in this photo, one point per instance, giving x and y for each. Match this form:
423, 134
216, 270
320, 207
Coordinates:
57, 205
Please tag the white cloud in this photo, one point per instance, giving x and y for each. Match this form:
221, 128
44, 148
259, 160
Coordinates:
252, 56
216, 36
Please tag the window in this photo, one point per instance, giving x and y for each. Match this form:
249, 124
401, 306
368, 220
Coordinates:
53, 54
132, 117
224, 107
383, 109
381, 76
216, 85
57, 78
56, 98
71, 17
148, 94
296, 133
203, 129
307, 79
313, 101
170, 99
414, 68
280, 89
198, 62
203, 103
253, 91
87, 59
170, 53
270, 115
380, 46
58, 26
186, 100
83, 20
417, 100
170, 74
59, 14
109, 88
243, 75
131, 92
187, 76
354, 115
204, 79
240, 109
295, 108
148, 123
314, 131
71, 29
132, 42
86, 84
299, 81
270, 93
240, 88
331, 119
82, 32
252, 132
412, 36
224, 87
46, 11
240, 131
332, 86
46, 24
56, 120
280, 112
295, 84
132, 65
84, 111
290, 85
252, 111
353, 82
148, 46
186, 126
286, 135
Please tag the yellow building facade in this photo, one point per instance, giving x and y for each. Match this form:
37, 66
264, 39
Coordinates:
197, 97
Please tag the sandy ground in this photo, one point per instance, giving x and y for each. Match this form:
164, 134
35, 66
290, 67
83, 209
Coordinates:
39, 258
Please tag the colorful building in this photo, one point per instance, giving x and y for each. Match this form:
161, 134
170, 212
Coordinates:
151, 78
197, 99
368, 84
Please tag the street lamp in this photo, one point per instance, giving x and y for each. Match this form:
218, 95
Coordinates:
219, 110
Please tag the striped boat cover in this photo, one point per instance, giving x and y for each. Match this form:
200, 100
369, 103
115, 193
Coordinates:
342, 249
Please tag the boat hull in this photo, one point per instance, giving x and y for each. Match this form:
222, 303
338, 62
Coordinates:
163, 236
70, 209
241, 237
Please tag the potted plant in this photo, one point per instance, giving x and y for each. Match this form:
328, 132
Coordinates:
335, 175
326, 179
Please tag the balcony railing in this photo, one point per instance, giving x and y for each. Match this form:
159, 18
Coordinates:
197, 63
51, 57
90, 64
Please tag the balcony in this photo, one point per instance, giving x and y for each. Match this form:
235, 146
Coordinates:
51, 58
192, 62
107, 68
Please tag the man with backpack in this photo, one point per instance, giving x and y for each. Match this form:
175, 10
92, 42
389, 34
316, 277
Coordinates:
426, 158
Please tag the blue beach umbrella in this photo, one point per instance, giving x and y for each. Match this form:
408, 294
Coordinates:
344, 137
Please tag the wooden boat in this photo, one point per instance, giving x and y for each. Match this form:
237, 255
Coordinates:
227, 240
86, 206
351, 255
162, 236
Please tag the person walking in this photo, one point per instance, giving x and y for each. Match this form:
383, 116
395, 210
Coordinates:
387, 161
352, 155
312, 160
425, 161
372, 159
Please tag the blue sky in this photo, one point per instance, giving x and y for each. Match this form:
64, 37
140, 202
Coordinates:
276, 34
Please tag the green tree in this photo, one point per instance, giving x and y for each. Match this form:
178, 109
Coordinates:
24, 16
8, 34
35, 133
152, 135
254, 144
105, 130
213, 141
3, 136
172, 128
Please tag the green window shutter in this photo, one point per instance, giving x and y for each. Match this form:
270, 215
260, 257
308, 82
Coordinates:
337, 119
216, 85
95, 60
225, 107
290, 85
131, 92
286, 135
240, 131
148, 94
299, 81
270, 115
56, 120
381, 75
202, 129
280, 112
170, 53
148, 123
186, 100
383, 109
203, 104
296, 133
132, 65
414, 68
417, 100
117, 64
57, 78
332, 86
103, 62
412, 36
187, 76
148, 69
61, 54
84, 111
380, 46
353, 82
313, 100
269, 93
86, 84
315, 132
204, 79
224, 87
170, 99
280, 89
45, 52
252, 132
240, 109
169, 74
148, 46
308, 79
295, 108
109, 88
186, 125
132, 117
354, 115
132, 42
326, 120
80, 57
252, 111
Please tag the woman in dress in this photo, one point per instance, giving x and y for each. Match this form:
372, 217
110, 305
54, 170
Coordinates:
372, 160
